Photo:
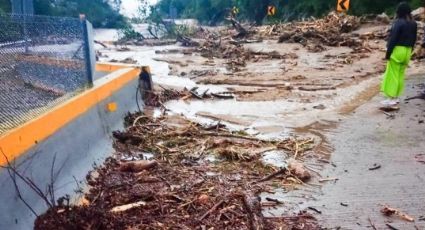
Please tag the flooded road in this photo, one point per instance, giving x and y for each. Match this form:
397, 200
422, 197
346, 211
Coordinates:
276, 117
357, 140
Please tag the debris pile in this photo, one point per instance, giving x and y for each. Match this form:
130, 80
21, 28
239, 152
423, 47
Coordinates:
332, 30
158, 98
235, 53
197, 178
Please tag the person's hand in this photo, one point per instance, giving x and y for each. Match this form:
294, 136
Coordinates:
386, 58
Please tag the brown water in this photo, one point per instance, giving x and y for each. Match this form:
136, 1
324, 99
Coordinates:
356, 142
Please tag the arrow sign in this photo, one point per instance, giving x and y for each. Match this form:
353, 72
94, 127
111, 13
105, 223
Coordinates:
271, 10
343, 5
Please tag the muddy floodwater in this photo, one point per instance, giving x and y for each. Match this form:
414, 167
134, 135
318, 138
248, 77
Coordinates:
248, 111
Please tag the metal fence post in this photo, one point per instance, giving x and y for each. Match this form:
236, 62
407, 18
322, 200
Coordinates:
87, 53
25, 25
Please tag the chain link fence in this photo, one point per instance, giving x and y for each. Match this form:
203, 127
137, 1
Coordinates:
22, 6
43, 61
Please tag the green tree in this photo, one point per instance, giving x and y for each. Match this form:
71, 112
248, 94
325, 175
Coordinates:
256, 10
5, 6
100, 13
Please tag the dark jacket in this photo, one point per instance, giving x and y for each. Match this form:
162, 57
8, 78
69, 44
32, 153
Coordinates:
403, 33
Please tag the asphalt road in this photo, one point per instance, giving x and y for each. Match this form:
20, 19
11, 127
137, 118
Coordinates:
368, 137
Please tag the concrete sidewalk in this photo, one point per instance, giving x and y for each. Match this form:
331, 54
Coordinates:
366, 137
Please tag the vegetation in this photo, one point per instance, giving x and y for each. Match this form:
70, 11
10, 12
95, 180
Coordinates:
5, 6
101, 13
213, 11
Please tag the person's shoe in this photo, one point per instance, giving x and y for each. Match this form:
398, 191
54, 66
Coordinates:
388, 102
396, 101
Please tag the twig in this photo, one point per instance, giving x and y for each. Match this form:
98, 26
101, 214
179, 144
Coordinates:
274, 200
211, 210
253, 208
50, 187
126, 207
388, 211
15, 184
137, 119
392, 227
271, 176
315, 210
311, 169
328, 179
296, 150
375, 167
371, 224
230, 136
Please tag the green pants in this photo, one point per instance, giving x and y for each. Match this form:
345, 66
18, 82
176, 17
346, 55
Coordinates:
393, 83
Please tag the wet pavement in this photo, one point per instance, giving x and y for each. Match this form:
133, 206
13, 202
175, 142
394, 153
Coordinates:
368, 137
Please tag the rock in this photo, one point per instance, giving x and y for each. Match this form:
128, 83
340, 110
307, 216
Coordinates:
138, 166
203, 199
384, 18
299, 170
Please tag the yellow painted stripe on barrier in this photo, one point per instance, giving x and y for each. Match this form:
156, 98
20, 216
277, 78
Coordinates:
17, 141
102, 67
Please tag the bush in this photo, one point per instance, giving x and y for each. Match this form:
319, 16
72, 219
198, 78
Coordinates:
99, 12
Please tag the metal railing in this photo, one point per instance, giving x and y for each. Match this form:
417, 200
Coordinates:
43, 61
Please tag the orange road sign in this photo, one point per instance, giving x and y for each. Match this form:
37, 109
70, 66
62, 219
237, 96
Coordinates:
235, 10
271, 10
343, 5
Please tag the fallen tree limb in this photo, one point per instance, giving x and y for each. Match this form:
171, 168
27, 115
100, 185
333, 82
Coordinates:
316, 89
126, 207
328, 179
253, 208
211, 210
271, 176
186, 41
222, 96
388, 211
101, 43
237, 25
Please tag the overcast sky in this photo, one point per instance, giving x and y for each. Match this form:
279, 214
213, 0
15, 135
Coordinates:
130, 7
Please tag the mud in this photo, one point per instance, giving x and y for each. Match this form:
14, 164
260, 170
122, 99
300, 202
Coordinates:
280, 89
183, 189
294, 90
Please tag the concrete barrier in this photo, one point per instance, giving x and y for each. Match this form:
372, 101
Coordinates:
74, 135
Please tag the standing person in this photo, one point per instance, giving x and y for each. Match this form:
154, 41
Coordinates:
399, 52
145, 82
